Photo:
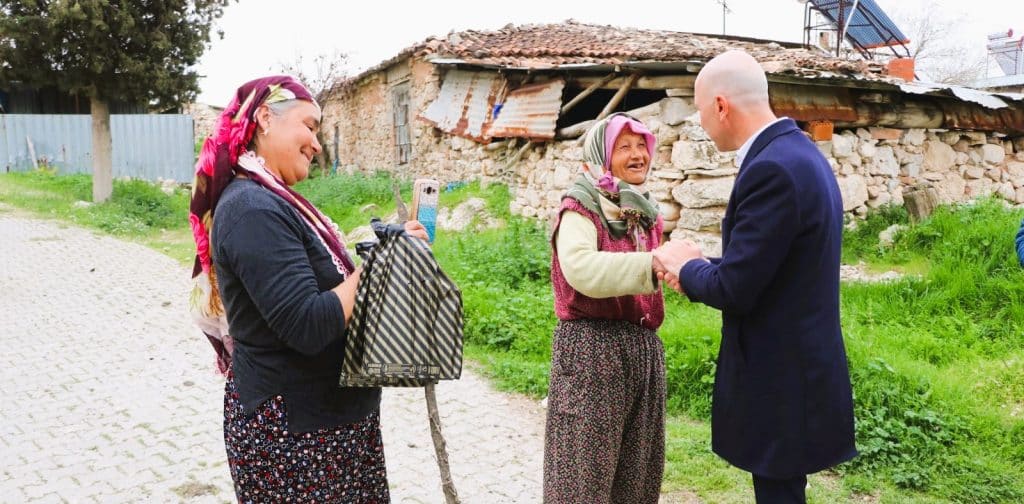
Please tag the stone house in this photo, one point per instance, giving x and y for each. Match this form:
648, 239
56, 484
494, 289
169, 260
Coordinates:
511, 106
204, 119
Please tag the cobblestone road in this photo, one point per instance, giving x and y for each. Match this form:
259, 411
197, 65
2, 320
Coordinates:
107, 393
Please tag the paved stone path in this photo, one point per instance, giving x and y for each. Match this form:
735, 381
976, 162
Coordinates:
107, 393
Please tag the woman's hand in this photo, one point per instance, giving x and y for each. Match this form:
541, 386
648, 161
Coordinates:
415, 228
346, 292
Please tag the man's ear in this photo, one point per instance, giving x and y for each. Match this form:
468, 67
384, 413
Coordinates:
721, 107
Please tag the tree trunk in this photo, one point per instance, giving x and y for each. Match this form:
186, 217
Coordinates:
102, 171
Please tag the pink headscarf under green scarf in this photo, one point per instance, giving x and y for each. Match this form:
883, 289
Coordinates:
600, 140
637, 211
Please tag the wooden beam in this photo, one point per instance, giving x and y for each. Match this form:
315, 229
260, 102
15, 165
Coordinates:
493, 146
519, 153
650, 82
619, 95
586, 92
575, 130
896, 115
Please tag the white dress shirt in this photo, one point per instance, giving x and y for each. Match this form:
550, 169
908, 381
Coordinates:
741, 154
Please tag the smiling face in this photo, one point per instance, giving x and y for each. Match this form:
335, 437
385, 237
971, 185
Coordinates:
630, 159
290, 140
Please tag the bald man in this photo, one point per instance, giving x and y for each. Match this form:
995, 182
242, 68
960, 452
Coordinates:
782, 403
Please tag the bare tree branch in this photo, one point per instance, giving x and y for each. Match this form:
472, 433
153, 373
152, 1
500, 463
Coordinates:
319, 75
938, 55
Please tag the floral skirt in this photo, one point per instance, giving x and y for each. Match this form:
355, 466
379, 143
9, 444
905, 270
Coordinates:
343, 464
605, 436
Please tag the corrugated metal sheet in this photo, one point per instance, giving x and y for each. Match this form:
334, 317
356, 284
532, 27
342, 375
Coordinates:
1000, 81
982, 98
145, 146
530, 111
463, 106
153, 146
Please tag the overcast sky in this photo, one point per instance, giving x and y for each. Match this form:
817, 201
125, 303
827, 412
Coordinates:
259, 35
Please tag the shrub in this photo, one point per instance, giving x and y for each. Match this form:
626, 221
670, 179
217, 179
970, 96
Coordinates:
900, 430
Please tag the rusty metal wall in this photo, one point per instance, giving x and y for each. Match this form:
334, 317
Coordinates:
530, 111
463, 106
926, 107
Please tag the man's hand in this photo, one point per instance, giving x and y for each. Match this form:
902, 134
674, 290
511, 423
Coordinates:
662, 274
673, 254
671, 257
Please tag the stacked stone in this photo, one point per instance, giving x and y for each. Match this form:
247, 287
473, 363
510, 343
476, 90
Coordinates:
692, 180
204, 119
877, 164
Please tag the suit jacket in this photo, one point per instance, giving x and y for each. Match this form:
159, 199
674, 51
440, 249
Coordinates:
1019, 240
782, 403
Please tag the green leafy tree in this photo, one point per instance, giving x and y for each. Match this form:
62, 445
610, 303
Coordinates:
139, 52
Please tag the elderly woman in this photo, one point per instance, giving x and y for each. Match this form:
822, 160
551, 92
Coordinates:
272, 271
605, 426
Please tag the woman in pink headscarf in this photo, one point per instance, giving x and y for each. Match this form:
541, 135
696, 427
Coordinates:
274, 289
605, 439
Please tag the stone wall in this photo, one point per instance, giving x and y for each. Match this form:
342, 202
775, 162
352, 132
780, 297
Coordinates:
689, 177
692, 180
204, 119
365, 120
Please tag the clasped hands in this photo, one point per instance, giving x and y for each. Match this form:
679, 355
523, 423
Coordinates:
670, 257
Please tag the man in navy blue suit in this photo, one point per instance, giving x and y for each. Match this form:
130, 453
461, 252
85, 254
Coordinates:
1019, 241
782, 405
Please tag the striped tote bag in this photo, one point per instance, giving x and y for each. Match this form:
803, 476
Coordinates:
406, 328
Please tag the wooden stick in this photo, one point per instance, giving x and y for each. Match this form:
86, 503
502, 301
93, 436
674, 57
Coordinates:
619, 95
515, 157
451, 496
575, 130
447, 485
403, 214
586, 92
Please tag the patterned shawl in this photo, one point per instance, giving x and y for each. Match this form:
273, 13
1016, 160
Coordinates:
224, 154
622, 207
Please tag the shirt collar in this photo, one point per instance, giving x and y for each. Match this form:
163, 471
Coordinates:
741, 154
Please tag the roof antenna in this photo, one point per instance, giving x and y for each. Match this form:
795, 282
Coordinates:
725, 9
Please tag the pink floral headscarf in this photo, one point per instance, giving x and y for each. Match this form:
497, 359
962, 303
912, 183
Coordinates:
224, 154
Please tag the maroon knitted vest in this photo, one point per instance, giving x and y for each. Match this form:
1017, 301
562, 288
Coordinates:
647, 310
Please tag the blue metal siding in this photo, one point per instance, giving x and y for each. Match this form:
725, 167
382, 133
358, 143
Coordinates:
145, 146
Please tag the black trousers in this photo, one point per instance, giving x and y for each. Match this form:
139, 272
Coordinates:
775, 491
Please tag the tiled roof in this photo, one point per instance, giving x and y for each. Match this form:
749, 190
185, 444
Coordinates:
539, 46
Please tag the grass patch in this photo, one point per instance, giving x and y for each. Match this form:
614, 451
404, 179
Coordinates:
343, 198
937, 360
136, 210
